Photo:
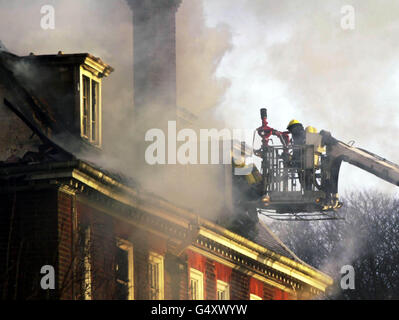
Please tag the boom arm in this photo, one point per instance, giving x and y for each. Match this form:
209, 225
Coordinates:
339, 151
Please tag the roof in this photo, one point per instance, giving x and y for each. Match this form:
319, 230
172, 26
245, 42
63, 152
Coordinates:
95, 63
268, 239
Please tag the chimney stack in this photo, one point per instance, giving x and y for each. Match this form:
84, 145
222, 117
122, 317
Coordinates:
154, 60
154, 77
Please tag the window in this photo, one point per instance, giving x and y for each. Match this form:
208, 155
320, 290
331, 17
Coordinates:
254, 297
124, 270
90, 108
86, 106
196, 285
156, 276
223, 290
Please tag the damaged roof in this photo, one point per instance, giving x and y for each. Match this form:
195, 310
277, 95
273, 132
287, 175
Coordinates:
266, 238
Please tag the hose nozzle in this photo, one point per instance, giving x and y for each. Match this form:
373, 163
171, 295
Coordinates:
263, 113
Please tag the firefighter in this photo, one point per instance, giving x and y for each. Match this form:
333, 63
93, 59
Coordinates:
299, 139
298, 132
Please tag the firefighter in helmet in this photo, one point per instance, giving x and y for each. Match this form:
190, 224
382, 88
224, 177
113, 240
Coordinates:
297, 131
299, 139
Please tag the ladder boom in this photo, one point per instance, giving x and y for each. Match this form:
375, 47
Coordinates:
363, 159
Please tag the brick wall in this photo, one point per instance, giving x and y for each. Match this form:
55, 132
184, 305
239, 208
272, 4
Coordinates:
281, 295
176, 279
66, 254
42, 233
268, 292
210, 280
28, 220
239, 286
102, 250
141, 270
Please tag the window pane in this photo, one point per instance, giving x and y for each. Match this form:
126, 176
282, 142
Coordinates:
155, 276
196, 284
86, 106
154, 280
192, 286
194, 289
94, 111
223, 290
122, 265
122, 291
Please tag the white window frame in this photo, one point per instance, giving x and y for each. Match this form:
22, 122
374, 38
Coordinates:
197, 276
128, 246
155, 258
253, 296
97, 142
224, 287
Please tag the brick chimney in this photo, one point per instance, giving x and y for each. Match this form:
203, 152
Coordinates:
154, 49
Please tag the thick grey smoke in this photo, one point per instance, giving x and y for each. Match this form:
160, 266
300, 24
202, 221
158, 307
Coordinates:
2, 47
294, 57
104, 29
200, 50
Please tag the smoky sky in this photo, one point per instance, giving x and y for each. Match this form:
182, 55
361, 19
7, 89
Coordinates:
294, 58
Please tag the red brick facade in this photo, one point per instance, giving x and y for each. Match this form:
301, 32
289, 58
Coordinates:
241, 285
114, 243
35, 216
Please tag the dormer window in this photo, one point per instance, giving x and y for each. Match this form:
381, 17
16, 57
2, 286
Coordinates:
71, 89
90, 107
91, 73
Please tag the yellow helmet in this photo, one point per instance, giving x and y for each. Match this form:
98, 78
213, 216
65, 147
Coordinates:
311, 129
292, 122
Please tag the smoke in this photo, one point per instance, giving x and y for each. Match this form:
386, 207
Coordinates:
294, 58
366, 239
200, 50
105, 29
2, 47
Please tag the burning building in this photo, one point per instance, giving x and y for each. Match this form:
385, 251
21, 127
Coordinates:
103, 234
